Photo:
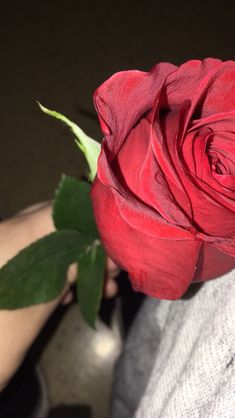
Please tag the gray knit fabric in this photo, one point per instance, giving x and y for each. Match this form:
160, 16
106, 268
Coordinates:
178, 359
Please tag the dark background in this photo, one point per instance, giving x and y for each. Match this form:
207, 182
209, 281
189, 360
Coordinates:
58, 52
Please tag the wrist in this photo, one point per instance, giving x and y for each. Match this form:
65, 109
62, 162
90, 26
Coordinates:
25, 228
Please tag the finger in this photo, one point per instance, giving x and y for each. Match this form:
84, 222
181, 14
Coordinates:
111, 268
67, 298
110, 288
72, 273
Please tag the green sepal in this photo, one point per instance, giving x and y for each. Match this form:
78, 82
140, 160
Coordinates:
89, 147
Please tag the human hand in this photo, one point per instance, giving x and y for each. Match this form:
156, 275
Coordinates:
19, 328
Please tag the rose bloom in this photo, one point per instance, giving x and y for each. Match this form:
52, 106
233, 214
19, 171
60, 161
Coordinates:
164, 196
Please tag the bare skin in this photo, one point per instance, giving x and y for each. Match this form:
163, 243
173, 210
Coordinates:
19, 328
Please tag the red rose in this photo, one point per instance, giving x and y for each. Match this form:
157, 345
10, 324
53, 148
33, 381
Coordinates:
164, 197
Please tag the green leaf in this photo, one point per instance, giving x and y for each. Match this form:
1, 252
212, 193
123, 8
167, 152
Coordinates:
72, 207
37, 274
90, 281
89, 147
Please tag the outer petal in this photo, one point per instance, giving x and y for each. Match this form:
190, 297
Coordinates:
138, 169
190, 81
139, 214
213, 263
158, 267
227, 246
220, 96
125, 97
209, 85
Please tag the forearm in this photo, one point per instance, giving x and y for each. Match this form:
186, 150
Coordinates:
19, 328
23, 229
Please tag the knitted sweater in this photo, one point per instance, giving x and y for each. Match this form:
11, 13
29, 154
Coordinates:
179, 360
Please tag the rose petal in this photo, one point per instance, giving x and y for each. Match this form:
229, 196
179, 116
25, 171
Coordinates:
223, 127
156, 266
212, 263
166, 153
196, 158
187, 82
125, 97
209, 85
217, 122
226, 181
227, 246
193, 153
213, 213
137, 214
140, 173
220, 96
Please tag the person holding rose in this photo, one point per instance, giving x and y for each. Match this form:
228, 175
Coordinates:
164, 203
